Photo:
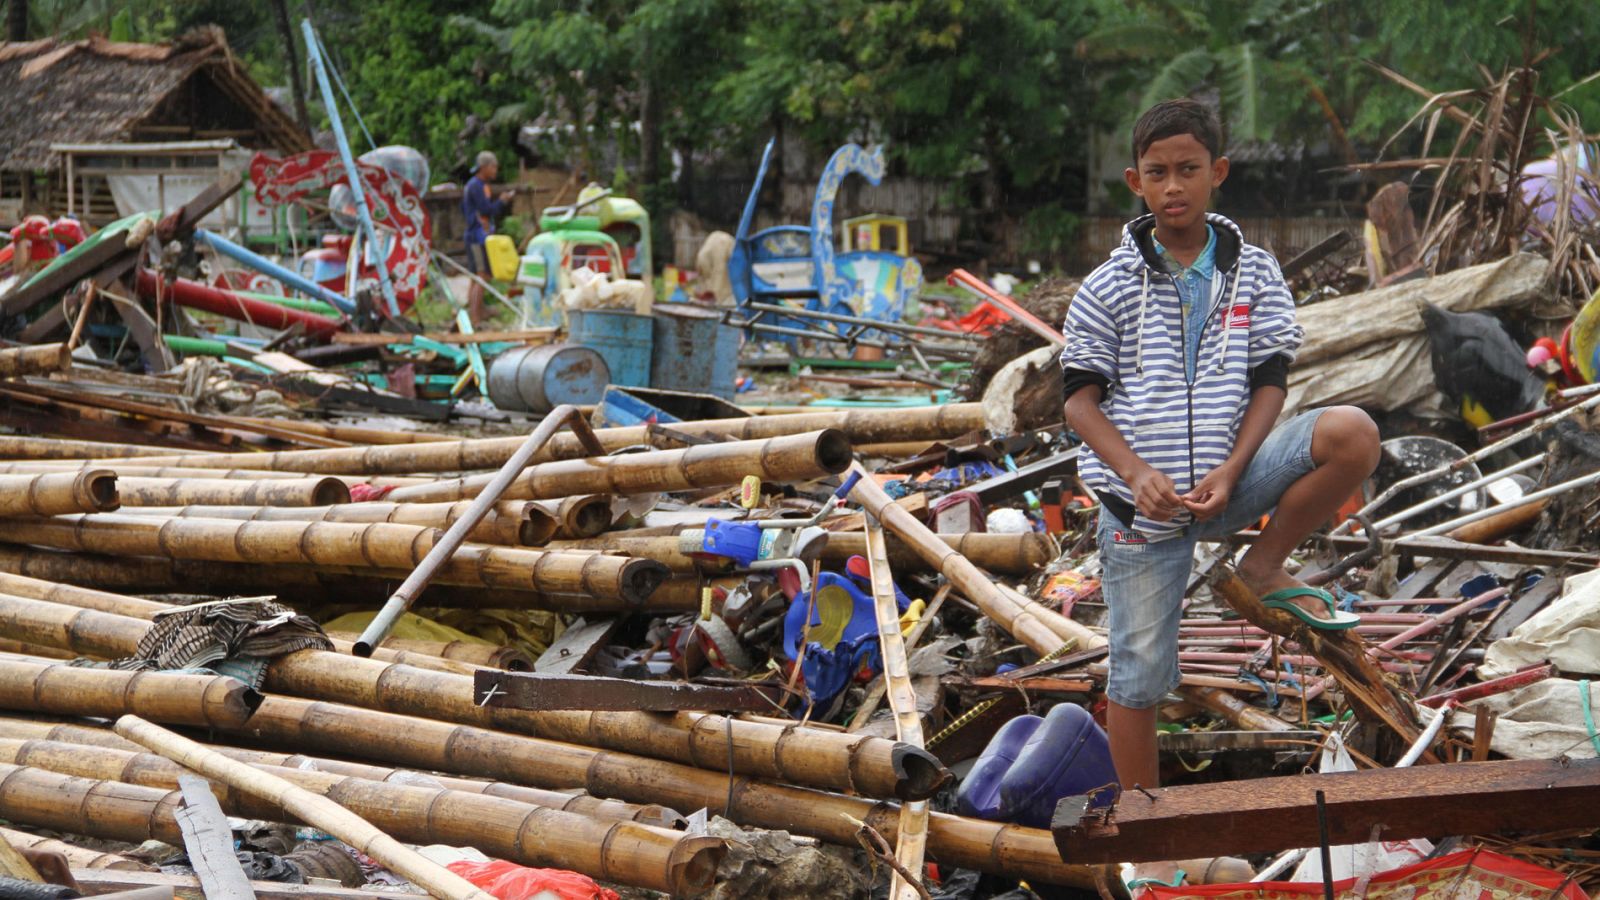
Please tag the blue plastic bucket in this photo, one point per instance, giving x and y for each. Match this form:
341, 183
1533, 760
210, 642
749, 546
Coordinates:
623, 340
694, 351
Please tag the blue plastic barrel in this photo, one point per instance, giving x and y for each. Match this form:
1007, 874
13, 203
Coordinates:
694, 351
623, 340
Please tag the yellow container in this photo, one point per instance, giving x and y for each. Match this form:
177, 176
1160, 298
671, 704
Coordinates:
503, 260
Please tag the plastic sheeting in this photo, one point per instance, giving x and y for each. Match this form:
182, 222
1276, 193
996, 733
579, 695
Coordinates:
1357, 860
1567, 633
1371, 350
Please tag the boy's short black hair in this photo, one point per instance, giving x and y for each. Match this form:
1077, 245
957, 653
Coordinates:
1170, 118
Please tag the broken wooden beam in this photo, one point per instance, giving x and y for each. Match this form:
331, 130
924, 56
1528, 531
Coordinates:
538, 690
1267, 815
1375, 697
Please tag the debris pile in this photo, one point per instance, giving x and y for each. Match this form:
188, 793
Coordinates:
631, 638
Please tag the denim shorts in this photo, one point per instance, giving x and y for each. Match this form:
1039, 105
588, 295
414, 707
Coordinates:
1143, 581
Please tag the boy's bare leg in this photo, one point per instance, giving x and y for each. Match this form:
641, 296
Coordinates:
1132, 733
1344, 446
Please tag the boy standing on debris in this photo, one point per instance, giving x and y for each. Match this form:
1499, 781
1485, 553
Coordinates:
1175, 369
481, 208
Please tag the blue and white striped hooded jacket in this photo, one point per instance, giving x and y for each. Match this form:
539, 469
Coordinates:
1125, 326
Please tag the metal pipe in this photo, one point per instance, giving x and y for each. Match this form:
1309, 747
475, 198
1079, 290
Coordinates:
1453, 493
1489, 688
869, 323
453, 538
266, 266
1481, 453
1524, 500
357, 189
1429, 735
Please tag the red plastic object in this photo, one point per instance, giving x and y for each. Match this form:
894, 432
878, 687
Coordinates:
509, 881
233, 306
363, 492
964, 279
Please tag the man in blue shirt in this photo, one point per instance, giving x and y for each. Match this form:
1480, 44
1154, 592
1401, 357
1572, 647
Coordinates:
481, 208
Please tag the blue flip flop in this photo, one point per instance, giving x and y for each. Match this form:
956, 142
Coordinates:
1337, 620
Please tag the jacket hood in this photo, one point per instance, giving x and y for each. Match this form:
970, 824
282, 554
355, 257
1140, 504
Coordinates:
1138, 244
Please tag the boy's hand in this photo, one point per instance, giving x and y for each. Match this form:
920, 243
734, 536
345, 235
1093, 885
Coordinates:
1154, 494
1210, 497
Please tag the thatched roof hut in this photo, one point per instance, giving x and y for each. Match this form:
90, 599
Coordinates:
97, 91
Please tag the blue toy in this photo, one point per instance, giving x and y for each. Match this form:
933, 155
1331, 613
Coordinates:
842, 639
1031, 763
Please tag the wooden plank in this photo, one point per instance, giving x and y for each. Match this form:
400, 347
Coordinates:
209, 842
1267, 815
97, 882
1525, 607
576, 646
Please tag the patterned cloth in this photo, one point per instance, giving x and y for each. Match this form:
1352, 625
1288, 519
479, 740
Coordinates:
231, 637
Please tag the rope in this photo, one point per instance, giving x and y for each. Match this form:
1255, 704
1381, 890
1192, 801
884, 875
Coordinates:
1588, 715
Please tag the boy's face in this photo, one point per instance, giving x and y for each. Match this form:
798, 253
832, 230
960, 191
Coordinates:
1175, 176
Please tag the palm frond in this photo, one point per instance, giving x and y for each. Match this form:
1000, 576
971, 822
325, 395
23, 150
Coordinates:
1240, 76
1179, 77
499, 37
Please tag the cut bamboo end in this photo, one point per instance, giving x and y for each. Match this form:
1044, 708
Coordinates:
98, 488
59, 493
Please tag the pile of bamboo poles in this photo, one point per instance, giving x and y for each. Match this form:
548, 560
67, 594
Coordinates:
591, 791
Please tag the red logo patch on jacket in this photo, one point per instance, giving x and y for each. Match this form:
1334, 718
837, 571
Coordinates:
1239, 316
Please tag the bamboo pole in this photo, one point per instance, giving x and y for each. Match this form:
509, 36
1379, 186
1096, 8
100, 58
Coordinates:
477, 653
1004, 554
322, 491
794, 753
52, 494
316, 811
41, 734
1011, 850
515, 523
16, 446
39, 359
1043, 630
859, 426
137, 468
796, 457
77, 857
911, 848
322, 544
214, 701
488, 495
68, 599
621, 852
304, 584
353, 434
579, 516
